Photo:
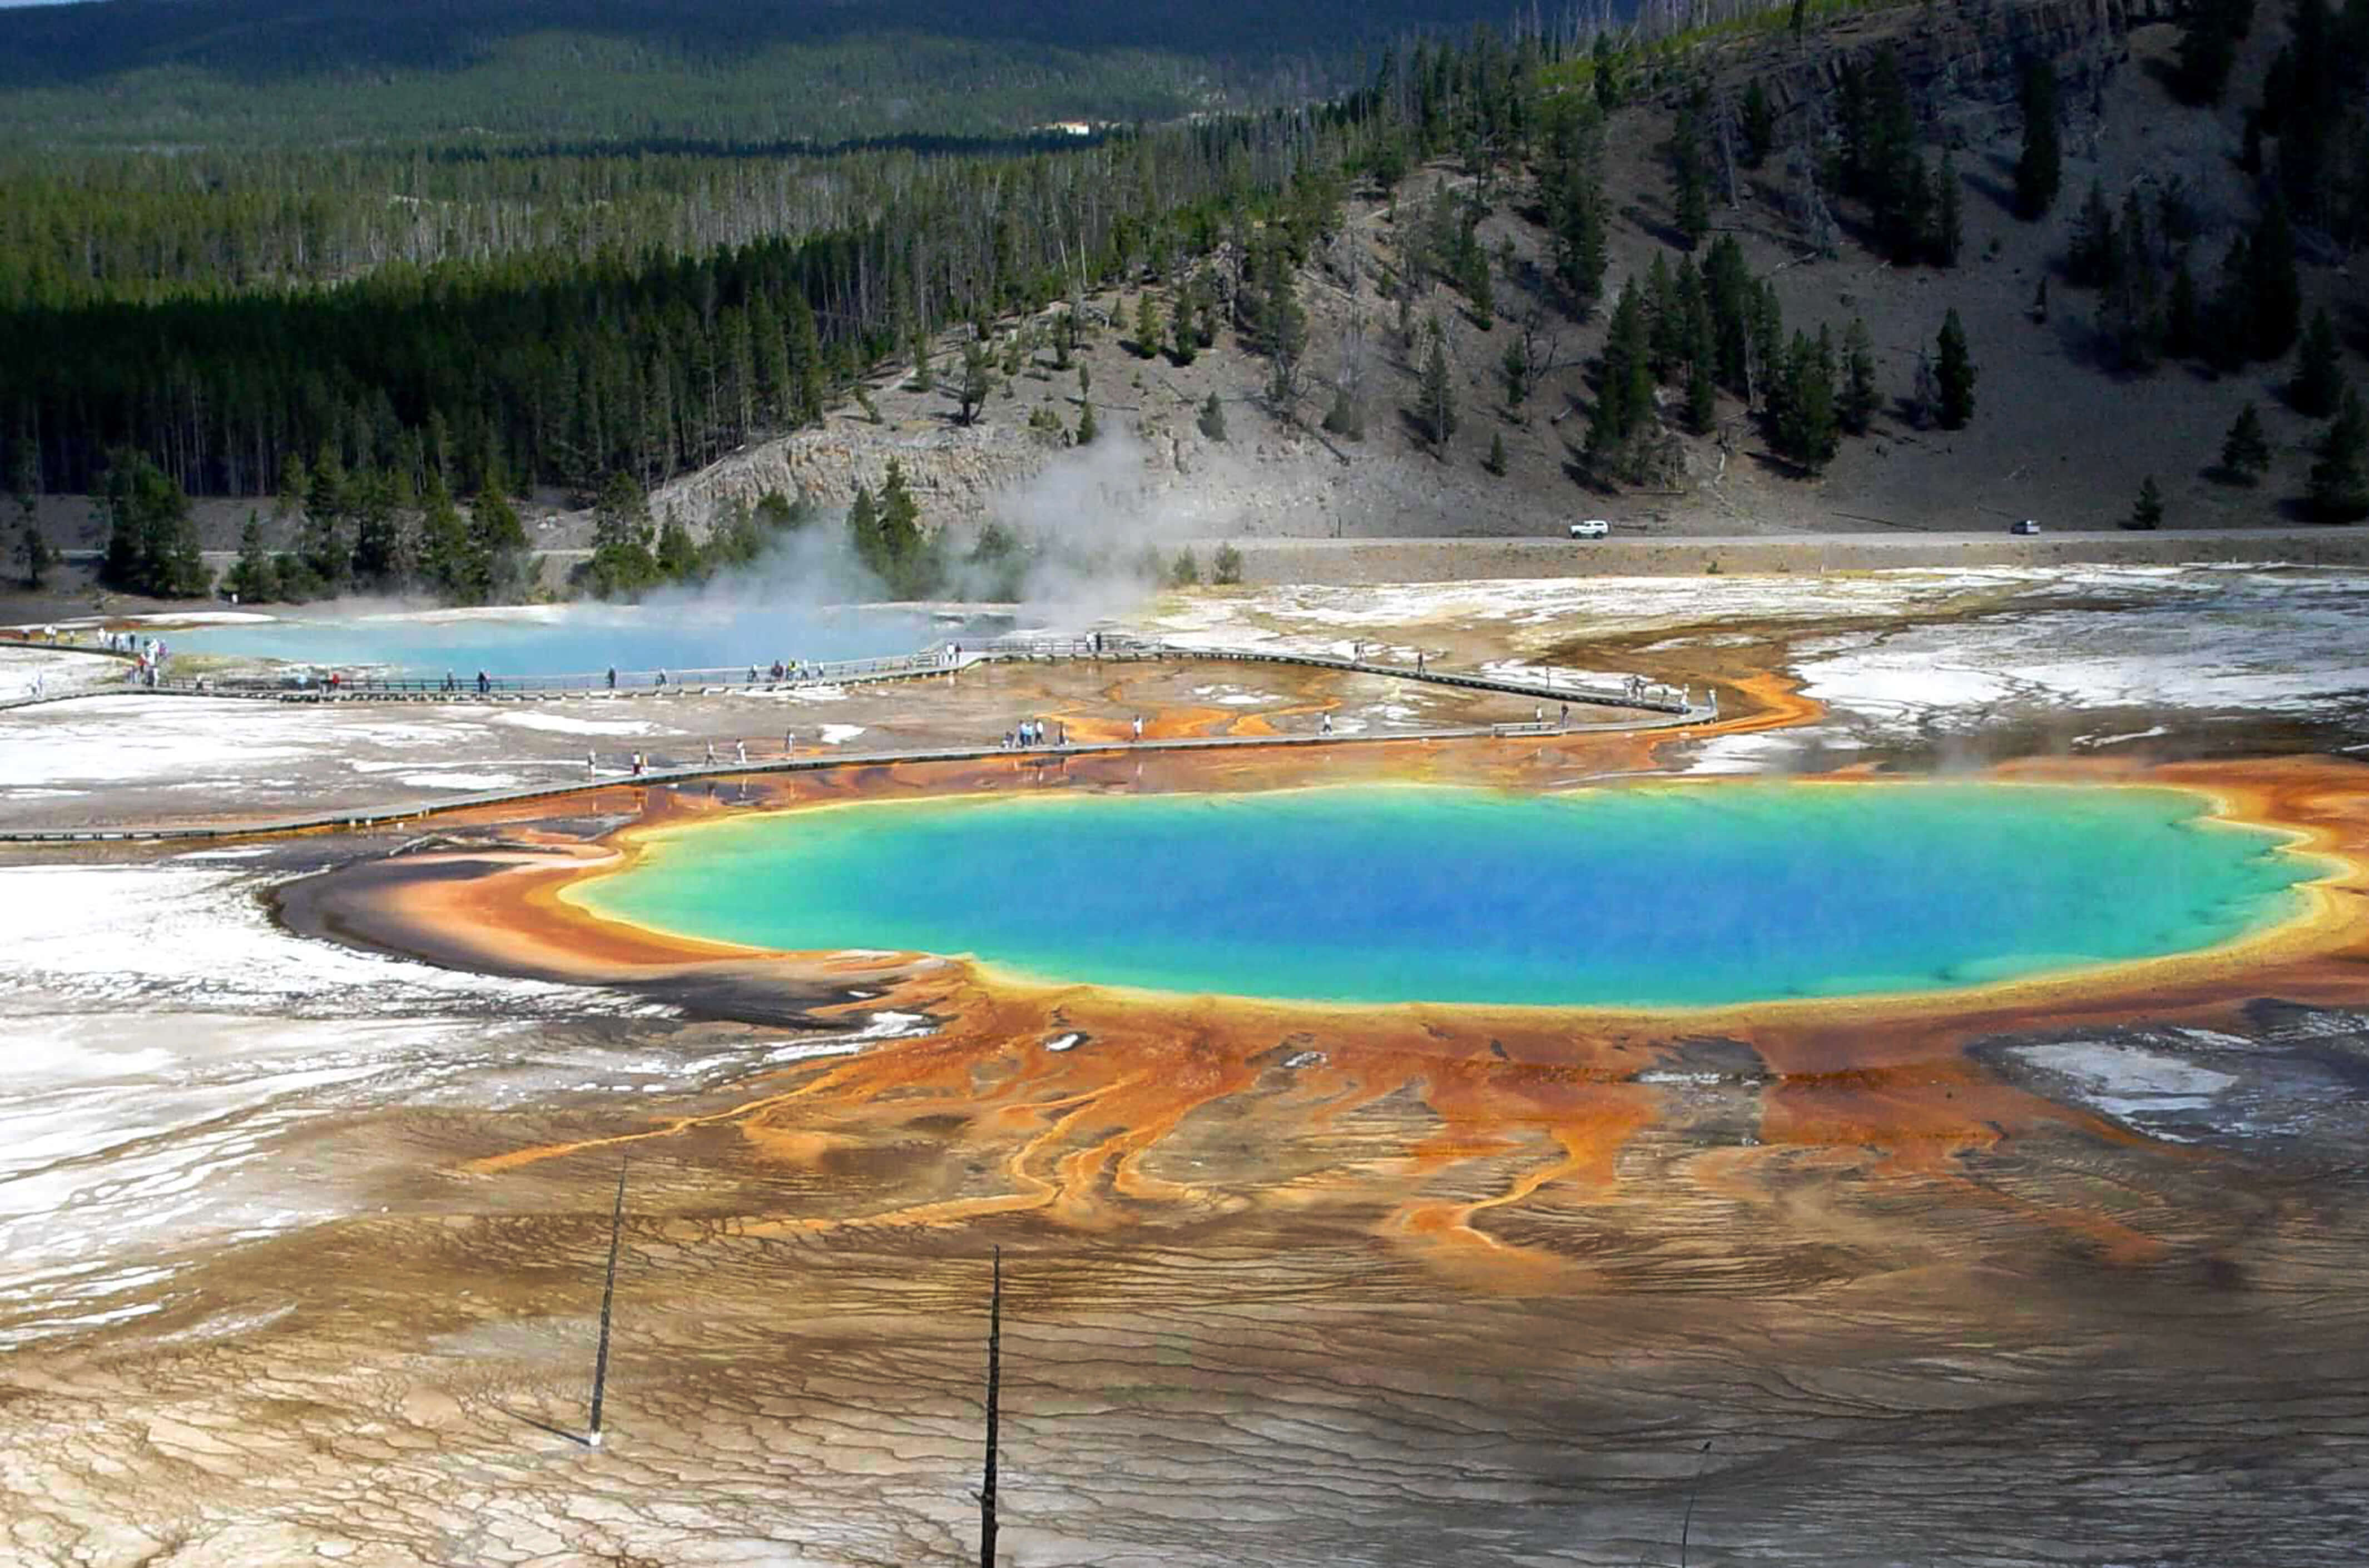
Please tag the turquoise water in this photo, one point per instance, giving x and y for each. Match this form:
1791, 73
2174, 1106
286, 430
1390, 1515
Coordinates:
578, 639
1684, 896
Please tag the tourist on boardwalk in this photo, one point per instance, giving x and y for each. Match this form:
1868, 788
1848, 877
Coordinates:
1324, 725
613, 678
662, 680
752, 675
638, 764
777, 670
740, 747
1562, 716
789, 741
1138, 727
1418, 661
711, 754
484, 683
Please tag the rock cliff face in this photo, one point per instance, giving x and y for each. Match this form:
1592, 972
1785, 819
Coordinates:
951, 471
1962, 63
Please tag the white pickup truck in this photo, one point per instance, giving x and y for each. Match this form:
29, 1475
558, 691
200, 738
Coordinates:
1594, 527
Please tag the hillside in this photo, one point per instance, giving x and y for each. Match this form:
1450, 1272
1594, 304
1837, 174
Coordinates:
2059, 433
721, 72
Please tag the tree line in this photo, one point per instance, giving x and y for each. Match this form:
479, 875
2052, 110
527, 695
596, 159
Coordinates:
550, 367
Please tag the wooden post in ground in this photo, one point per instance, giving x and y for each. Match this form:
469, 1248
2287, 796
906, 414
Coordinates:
1686, 1526
607, 1298
994, 1397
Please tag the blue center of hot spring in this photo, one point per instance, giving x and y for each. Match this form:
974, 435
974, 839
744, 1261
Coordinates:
1642, 897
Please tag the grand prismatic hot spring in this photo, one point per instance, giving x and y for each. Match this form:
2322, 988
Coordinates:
1689, 896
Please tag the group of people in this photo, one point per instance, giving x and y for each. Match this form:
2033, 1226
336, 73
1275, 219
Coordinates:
1030, 732
149, 654
639, 763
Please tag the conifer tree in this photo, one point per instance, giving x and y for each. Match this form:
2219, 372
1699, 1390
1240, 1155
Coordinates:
1344, 417
863, 535
678, 557
924, 378
622, 565
1702, 394
498, 546
33, 552
806, 371
1496, 461
1147, 326
2147, 511
2039, 169
1702, 356
1759, 125
1949, 218
976, 383
1183, 331
151, 540
2339, 490
1516, 368
1213, 419
2246, 450
900, 524
327, 553
383, 551
1859, 401
1438, 396
1804, 416
2274, 296
1689, 181
2093, 260
443, 544
2319, 382
1087, 428
1956, 374
2210, 31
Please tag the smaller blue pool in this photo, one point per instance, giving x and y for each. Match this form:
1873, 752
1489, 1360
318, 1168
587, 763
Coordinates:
580, 639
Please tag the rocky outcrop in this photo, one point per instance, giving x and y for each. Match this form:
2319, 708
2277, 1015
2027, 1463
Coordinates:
953, 471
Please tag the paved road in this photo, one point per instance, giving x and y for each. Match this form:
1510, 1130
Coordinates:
1640, 553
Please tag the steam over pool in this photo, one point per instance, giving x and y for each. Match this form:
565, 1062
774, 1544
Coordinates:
1687, 895
582, 639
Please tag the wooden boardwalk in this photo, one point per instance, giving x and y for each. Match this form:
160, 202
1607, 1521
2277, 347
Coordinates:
1655, 707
